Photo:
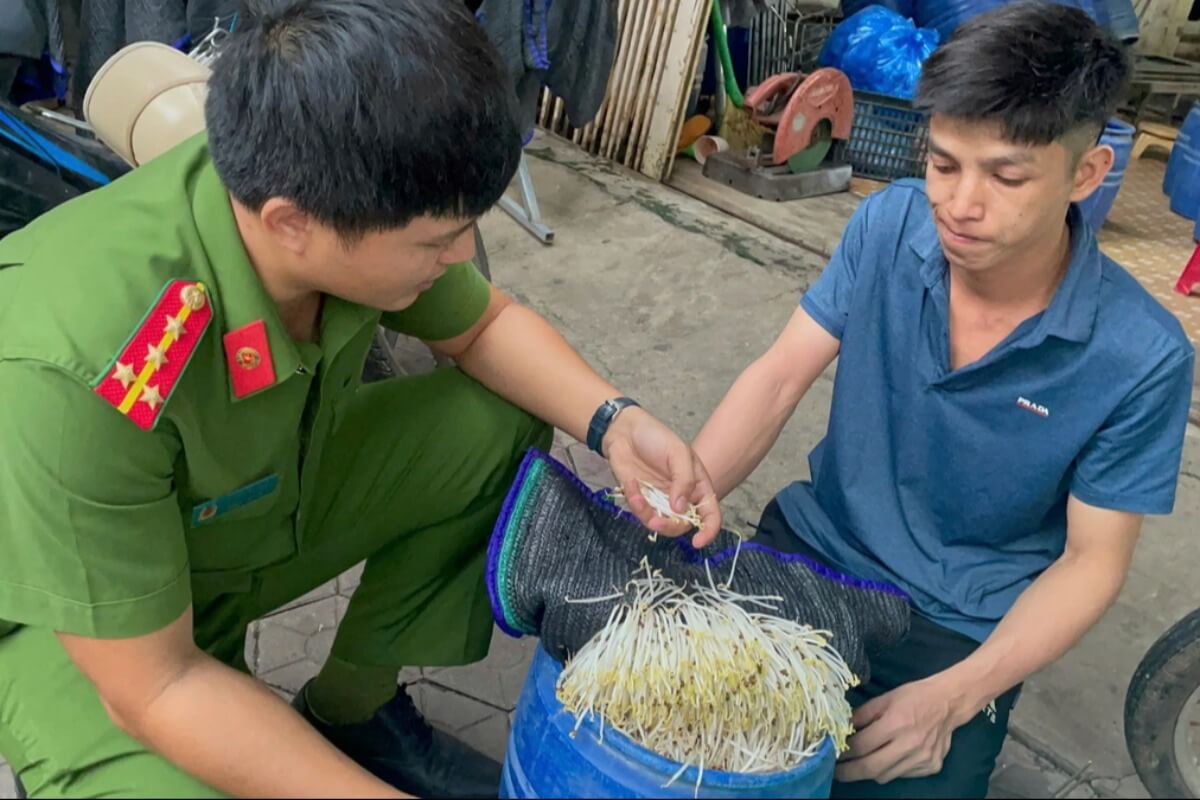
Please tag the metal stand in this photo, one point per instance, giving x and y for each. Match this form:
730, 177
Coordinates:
529, 215
745, 173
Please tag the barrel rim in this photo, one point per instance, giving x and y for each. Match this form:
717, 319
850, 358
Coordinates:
1119, 127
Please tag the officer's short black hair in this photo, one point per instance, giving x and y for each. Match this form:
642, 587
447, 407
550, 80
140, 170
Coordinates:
1041, 70
364, 113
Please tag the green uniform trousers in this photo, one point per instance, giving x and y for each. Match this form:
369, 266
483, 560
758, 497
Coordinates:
412, 481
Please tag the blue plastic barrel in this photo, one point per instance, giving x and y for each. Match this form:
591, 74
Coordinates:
1123, 20
1095, 207
947, 15
1188, 140
544, 760
901, 7
1185, 198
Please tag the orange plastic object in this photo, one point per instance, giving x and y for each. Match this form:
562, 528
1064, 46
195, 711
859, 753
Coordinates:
693, 129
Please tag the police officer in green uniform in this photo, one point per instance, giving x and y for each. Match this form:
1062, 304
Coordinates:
185, 443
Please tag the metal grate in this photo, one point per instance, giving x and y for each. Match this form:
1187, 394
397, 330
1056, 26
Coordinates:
785, 38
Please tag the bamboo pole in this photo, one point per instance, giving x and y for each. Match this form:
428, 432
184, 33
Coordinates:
626, 17
663, 21
683, 51
629, 83
557, 117
544, 111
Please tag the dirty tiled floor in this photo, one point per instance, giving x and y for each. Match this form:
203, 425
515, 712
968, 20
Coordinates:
1143, 235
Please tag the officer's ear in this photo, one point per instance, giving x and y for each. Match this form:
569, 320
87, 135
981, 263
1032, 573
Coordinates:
289, 227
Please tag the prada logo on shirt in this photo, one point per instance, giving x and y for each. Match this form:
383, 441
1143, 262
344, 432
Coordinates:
1033, 407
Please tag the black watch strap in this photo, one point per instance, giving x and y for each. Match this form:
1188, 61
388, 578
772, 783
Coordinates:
603, 417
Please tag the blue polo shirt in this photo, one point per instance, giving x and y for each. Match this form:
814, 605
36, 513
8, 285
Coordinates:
953, 484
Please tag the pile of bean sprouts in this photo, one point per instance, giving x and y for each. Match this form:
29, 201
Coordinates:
707, 677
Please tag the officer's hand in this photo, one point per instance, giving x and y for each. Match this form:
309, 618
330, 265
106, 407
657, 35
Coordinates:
640, 448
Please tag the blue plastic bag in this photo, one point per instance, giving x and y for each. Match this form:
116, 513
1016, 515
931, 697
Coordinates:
880, 51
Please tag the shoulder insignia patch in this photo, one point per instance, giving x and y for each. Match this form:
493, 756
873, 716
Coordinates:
140, 380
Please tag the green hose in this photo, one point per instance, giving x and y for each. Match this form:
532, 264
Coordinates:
722, 41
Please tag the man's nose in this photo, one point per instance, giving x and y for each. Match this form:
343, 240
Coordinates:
966, 199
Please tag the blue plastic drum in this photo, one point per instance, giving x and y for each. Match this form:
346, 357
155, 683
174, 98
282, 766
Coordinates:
1187, 142
1185, 197
544, 760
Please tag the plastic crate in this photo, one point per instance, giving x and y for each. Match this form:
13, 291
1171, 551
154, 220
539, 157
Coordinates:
888, 140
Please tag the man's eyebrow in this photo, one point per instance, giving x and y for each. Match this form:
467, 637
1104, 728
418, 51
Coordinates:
447, 238
940, 152
1016, 158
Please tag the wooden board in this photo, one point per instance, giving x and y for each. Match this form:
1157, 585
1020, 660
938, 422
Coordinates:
815, 224
1189, 44
658, 44
666, 118
1161, 23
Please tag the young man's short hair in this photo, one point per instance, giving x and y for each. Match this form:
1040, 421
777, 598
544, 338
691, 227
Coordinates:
1041, 70
364, 113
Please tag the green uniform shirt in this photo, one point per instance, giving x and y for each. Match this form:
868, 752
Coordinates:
106, 529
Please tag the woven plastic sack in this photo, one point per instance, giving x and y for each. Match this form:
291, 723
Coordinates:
556, 542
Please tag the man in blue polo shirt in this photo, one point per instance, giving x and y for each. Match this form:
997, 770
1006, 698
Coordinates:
1008, 402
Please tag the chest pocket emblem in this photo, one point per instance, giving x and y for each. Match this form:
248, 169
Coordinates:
215, 508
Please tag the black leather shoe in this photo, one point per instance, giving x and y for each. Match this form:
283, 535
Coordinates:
399, 747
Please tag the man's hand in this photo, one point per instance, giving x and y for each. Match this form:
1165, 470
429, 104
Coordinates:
640, 448
902, 734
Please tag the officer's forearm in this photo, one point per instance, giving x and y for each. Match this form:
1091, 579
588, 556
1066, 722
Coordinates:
231, 732
520, 357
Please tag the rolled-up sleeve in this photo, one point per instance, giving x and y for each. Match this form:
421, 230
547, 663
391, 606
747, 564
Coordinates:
1132, 463
828, 300
455, 302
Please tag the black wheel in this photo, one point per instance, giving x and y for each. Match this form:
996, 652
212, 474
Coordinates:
1162, 713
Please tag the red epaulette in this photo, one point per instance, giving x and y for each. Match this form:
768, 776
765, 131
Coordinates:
140, 380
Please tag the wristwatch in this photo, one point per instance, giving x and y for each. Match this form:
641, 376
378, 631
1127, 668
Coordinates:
603, 417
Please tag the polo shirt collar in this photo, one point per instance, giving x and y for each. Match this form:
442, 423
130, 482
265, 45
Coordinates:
925, 243
240, 296
1071, 314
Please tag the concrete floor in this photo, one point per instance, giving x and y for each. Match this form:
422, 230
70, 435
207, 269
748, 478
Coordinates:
670, 299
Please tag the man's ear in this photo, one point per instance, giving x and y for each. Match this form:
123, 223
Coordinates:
1090, 171
289, 227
